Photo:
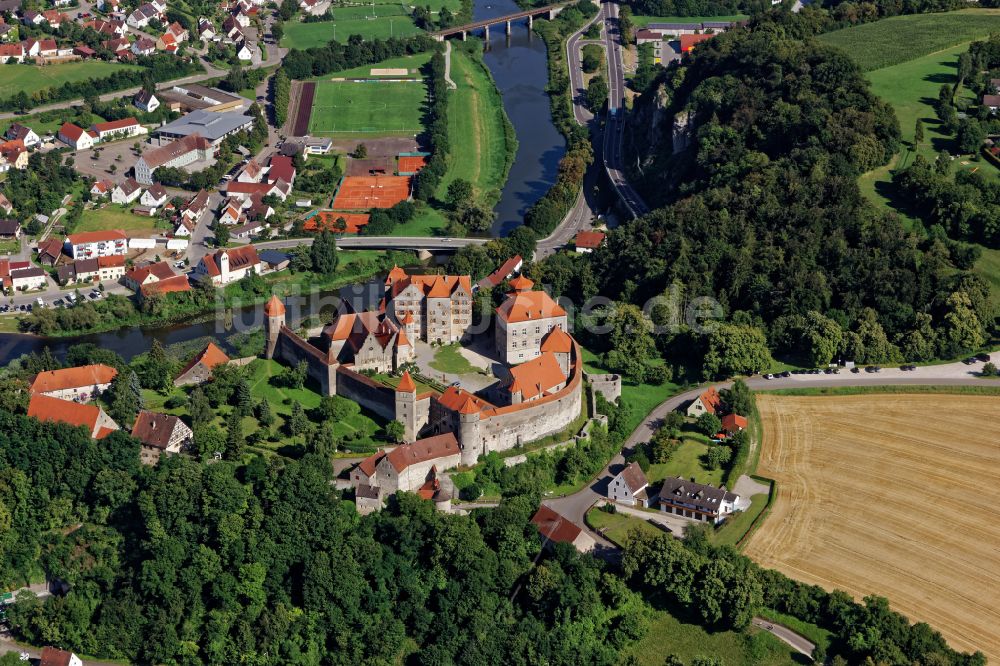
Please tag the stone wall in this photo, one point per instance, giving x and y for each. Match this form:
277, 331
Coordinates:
290, 349
366, 392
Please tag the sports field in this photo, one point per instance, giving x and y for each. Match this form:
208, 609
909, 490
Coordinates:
900, 38
889, 494
347, 109
31, 78
641, 21
382, 22
364, 192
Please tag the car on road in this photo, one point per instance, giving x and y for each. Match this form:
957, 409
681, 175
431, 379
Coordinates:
873, 368
40, 302
57, 303
855, 369
970, 360
985, 358
786, 373
94, 295
769, 376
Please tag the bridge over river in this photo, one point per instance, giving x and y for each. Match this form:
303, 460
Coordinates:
548, 12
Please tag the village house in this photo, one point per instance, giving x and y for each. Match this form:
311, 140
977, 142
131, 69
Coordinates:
81, 384
40, 48
10, 229
6, 207
101, 189
10, 52
118, 129
109, 6
281, 169
162, 432
733, 423
433, 308
91, 417
138, 276
225, 266
697, 501
523, 319
195, 206
280, 189
588, 241
199, 369
53, 18
144, 46
50, 251
253, 172
506, 270
84, 51
31, 17
87, 244
98, 269
179, 153
18, 132
709, 401
155, 196
141, 17
28, 279
75, 137
13, 155
171, 285
146, 101
166, 42
232, 213
51, 656
244, 53
206, 31
178, 31
248, 230
126, 192
555, 528
111, 29
629, 486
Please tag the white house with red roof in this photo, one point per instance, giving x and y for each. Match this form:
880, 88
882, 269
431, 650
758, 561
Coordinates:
629, 486
224, 266
524, 319
75, 137
8, 51
90, 244
82, 383
553, 527
709, 401
101, 189
91, 417
588, 241
118, 129
126, 192
281, 169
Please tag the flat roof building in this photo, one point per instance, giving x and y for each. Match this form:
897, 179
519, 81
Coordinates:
212, 126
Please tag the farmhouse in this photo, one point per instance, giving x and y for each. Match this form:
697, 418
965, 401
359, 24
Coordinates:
139, 276
11, 51
54, 657
225, 266
506, 270
171, 285
18, 132
98, 269
126, 192
145, 100
75, 137
199, 369
733, 423
10, 229
554, 528
13, 155
629, 486
154, 197
523, 319
89, 244
80, 384
709, 401
92, 417
28, 279
588, 241
162, 432
697, 501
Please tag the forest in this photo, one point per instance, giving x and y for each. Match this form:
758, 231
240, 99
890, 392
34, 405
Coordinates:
759, 209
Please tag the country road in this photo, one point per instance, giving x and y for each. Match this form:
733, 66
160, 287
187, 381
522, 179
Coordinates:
786, 635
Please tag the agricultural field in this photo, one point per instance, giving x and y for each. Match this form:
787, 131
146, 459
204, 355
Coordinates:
643, 21
386, 21
901, 38
31, 78
874, 497
348, 109
476, 121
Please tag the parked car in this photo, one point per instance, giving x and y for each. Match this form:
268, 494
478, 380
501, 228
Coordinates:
855, 369
40, 302
970, 360
786, 373
985, 358
769, 376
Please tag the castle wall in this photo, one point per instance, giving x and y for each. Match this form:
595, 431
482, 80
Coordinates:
290, 349
366, 392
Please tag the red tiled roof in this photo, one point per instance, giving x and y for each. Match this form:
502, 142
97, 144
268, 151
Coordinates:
368, 464
536, 377
67, 378
710, 398
71, 131
161, 270
97, 236
529, 306
154, 429
590, 239
169, 285
111, 261
406, 384
500, 274
274, 307
734, 423
423, 450
281, 169
555, 527
521, 283
459, 400
210, 357
54, 657
557, 341
634, 477
46, 408
239, 258
688, 42
115, 125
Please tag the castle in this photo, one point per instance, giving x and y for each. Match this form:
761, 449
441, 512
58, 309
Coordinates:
536, 398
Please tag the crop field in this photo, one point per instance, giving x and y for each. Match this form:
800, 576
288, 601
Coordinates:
31, 78
901, 38
890, 495
378, 109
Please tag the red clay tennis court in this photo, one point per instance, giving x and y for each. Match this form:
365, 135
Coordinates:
364, 192
411, 163
327, 220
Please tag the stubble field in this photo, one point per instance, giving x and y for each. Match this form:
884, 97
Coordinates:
893, 495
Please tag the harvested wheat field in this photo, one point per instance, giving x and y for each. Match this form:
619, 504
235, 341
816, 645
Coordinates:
894, 495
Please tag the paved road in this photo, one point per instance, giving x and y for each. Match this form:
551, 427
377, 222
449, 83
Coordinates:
786, 635
614, 133
381, 243
575, 64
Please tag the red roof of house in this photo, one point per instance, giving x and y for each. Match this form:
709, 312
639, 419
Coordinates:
115, 125
688, 42
71, 131
161, 270
536, 377
281, 169
111, 261
634, 477
210, 357
557, 341
555, 527
239, 258
529, 306
97, 236
710, 398
46, 408
734, 422
169, 285
54, 657
461, 401
590, 239
368, 465
68, 378
423, 450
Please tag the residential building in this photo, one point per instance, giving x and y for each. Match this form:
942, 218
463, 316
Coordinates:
629, 486
199, 369
697, 501
244, 52
137, 277
248, 230
75, 137
162, 432
155, 196
28, 279
171, 285
145, 100
81, 384
281, 169
118, 129
991, 102
232, 213
167, 42
688, 42
141, 17
84, 51
91, 417
709, 401
144, 46
279, 189
523, 320
213, 126
733, 423
225, 266
253, 172
13, 155
555, 528
205, 29
433, 308
18, 132
50, 251
506, 270
10, 229
101, 189
55, 657
9, 52
87, 244
179, 153
588, 241
195, 207
98, 269
126, 192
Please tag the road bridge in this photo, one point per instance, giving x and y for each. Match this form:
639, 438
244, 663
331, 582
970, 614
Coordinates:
548, 12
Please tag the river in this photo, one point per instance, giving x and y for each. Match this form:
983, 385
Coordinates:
519, 65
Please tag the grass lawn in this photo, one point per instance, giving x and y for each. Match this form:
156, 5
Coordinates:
31, 78
735, 527
686, 462
618, 526
901, 38
427, 222
413, 63
989, 267
9, 246
449, 359
643, 21
668, 634
115, 217
476, 128
54, 121
389, 21
817, 635
641, 398
348, 109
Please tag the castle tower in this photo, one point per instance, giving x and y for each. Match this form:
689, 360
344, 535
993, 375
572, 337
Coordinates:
406, 406
468, 433
402, 350
274, 319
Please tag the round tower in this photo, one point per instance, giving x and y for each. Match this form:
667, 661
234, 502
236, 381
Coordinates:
274, 319
406, 406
